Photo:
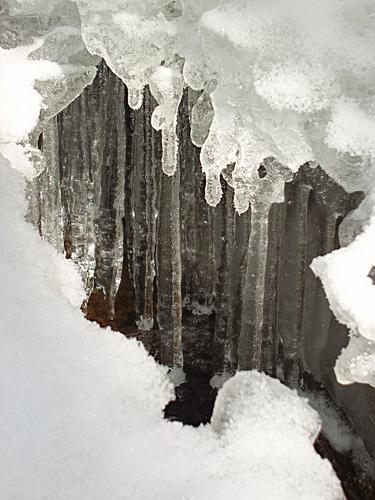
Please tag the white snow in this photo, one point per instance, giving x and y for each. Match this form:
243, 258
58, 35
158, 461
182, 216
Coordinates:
351, 296
20, 114
81, 412
41, 73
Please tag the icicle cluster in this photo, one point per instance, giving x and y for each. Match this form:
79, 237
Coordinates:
287, 80
77, 201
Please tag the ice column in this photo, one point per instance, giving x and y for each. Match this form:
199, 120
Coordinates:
292, 279
268, 189
166, 86
142, 215
169, 276
108, 153
45, 210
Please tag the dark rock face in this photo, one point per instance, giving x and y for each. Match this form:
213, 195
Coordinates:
160, 264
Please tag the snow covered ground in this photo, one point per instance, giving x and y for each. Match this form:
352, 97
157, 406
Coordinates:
81, 407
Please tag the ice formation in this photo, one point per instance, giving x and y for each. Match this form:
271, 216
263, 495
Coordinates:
277, 85
285, 80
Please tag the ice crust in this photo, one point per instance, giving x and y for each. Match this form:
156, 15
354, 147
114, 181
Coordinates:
82, 406
287, 80
45, 67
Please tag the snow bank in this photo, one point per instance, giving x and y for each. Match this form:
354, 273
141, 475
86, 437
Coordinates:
81, 407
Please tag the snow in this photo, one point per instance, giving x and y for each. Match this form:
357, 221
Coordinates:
82, 406
17, 94
351, 295
45, 66
18, 80
352, 129
334, 427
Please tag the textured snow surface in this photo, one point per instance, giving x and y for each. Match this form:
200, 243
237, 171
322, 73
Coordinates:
45, 65
81, 407
351, 292
283, 79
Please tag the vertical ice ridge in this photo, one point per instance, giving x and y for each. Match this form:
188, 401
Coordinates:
176, 301
271, 341
144, 210
267, 189
292, 279
108, 157
77, 192
250, 341
224, 246
152, 215
169, 302
45, 209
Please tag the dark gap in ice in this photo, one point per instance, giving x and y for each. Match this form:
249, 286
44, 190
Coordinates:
262, 171
40, 141
371, 275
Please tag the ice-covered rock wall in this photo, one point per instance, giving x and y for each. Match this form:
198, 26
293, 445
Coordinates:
183, 259
280, 84
286, 80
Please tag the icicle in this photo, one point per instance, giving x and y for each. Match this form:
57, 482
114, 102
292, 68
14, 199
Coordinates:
238, 263
47, 213
270, 342
250, 342
77, 191
213, 189
138, 216
107, 163
170, 149
144, 143
151, 215
201, 119
166, 85
292, 280
224, 247
169, 273
135, 97
267, 188
197, 219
